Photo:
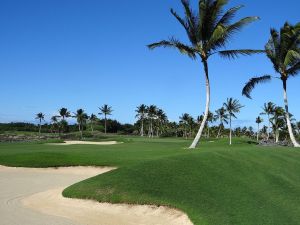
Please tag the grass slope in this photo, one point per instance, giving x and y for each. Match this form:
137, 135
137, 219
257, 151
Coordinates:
214, 185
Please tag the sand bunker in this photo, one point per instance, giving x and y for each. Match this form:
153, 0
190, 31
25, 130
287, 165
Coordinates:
85, 143
33, 197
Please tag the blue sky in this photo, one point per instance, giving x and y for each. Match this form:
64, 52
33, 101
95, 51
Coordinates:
83, 54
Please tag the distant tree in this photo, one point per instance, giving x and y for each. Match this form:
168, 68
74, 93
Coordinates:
106, 111
184, 120
258, 120
93, 118
81, 118
268, 109
209, 29
232, 106
40, 116
152, 111
54, 123
277, 121
64, 113
141, 111
283, 50
210, 119
222, 116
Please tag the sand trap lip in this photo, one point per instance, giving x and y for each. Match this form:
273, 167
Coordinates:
85, 143
87, 212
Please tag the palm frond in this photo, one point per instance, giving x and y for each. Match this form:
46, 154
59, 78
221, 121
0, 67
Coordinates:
294, 70
232, 54
291, 58
252, 84
173, 43
229, 15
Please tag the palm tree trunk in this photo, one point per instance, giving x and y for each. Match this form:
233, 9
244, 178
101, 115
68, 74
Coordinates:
105, 123
203, 122
92, 127
230, 132
40, 127
219, 132
142, 128
257, 137
287, 115
268, 135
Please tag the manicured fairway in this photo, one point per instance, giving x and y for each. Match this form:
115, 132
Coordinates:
215, 184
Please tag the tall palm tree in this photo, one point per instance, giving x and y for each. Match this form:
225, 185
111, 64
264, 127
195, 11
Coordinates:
40, 116
283, 49
81, 118
162, 119
106, 111
64, 113
277, 121
209, 30
93, 118
184, 119
152, 111
268, 109
54, 122
141, 111
222, 116
210, 119
232, 106
258, 120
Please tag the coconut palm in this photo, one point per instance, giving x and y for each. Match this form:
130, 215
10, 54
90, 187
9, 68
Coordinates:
208, 30
283, 49
81, 118
162, 119
40, 116
106, 111
277, 121
93, 118
184, 120
268, 109
64, 113
152, 111
210, 119
258, 120
222, 116
141, 111
232, 106
54, 122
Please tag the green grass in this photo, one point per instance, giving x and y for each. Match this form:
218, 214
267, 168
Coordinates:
215, 185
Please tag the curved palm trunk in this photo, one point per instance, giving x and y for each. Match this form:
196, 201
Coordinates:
287, 115
230, 132
203, 122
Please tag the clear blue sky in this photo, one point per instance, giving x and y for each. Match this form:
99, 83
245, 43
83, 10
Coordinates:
85, 53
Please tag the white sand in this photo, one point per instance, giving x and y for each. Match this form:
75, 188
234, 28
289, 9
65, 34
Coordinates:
33, 197
85, 143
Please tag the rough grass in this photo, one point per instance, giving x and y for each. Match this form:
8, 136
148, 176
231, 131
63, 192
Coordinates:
215, 184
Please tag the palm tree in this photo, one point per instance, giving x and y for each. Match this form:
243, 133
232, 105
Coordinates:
64, 113
209, 30
258, 120
152, 111
277, 121
284, 52
162, 119
222, 116
232, 106
106, 111
93, 118
40, 116
141, 115
54, 122
210, 119
81, 118
268, 109
184, 119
